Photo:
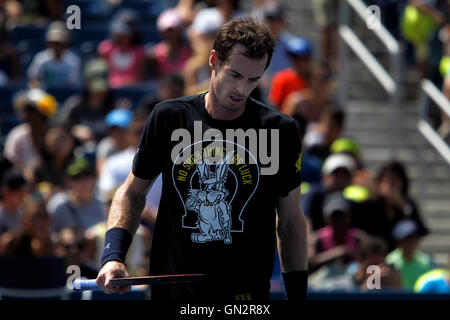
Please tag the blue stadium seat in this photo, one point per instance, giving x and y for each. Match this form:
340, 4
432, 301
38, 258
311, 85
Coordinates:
61, 94
32, 278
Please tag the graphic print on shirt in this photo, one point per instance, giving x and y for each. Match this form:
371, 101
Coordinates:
215, 184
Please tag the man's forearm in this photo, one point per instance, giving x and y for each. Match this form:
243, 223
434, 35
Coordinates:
292, 244
126, 210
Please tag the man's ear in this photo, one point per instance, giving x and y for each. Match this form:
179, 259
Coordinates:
212, 59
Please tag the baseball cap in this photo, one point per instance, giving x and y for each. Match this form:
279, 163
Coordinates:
299, 47
57, 32
43, 102
337, 161
335, 202
405, 228
169, 18
119, 117
207, 21
78, 166
96, 75
273, 10
345, 145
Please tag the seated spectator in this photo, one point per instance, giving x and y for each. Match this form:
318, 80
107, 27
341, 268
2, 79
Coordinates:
171, 54
392, 203
118, 121
373, 253
170, 87
56, 66
363, 184
117, 167
70, 244
85, 114
57, 153
317, 96
9, 57
124, 52
77, 207
24, 143
201, 35
337, 237
407, 258
34, 11
13, 189
273, 14
32, 238
337, 173
295, 78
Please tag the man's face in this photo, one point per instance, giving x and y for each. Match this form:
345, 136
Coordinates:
233, 80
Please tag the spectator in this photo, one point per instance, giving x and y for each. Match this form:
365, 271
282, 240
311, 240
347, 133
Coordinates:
32, 238
58, 151
392, 204
171, 54
118, 166
363, 184
373, 253
407, 258
77, 207
420, 19
24, 143
337, 173
118, 121
295, 78
36, 12
201, 34
230, 9
56, 66
337, 237
124, 53
9, 58
13, 189
70, 244
85, 114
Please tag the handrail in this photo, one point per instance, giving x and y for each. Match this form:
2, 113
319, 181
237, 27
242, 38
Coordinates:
349, 39
430, 90
382, 33
368, 59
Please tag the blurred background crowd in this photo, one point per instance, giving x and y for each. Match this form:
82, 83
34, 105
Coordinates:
74, 103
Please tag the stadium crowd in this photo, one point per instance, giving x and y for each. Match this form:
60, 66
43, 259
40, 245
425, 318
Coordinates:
76, 109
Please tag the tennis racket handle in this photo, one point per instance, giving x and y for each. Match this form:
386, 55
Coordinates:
85, 285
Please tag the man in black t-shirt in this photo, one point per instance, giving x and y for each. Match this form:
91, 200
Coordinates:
231, 184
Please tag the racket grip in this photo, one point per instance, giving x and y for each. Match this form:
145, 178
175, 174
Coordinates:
85, 285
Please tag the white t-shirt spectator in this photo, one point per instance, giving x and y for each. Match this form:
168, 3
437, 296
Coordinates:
115, 171
56, 73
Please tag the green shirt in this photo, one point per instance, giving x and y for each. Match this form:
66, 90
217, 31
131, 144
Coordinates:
410, 271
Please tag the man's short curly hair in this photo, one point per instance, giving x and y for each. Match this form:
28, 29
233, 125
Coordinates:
255, 37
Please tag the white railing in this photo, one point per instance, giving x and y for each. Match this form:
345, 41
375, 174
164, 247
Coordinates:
429, 90
350, 40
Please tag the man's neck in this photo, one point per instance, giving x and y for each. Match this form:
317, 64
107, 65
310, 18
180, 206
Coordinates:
212, 106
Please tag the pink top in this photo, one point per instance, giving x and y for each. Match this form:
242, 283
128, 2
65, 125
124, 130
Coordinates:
165, 66
327, 241
125, 65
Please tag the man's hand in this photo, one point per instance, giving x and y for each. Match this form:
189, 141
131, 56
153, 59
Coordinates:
112, 270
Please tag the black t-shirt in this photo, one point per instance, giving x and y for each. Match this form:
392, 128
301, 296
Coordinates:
217, 210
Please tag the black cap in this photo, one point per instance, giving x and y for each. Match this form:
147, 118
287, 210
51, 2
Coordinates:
273, 10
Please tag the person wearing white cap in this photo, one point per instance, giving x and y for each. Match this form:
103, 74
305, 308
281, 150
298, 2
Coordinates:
201, 33
56, 66
337, 173
171, 54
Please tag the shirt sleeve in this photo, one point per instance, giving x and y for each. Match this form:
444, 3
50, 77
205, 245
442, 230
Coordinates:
290, 159
150, 155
